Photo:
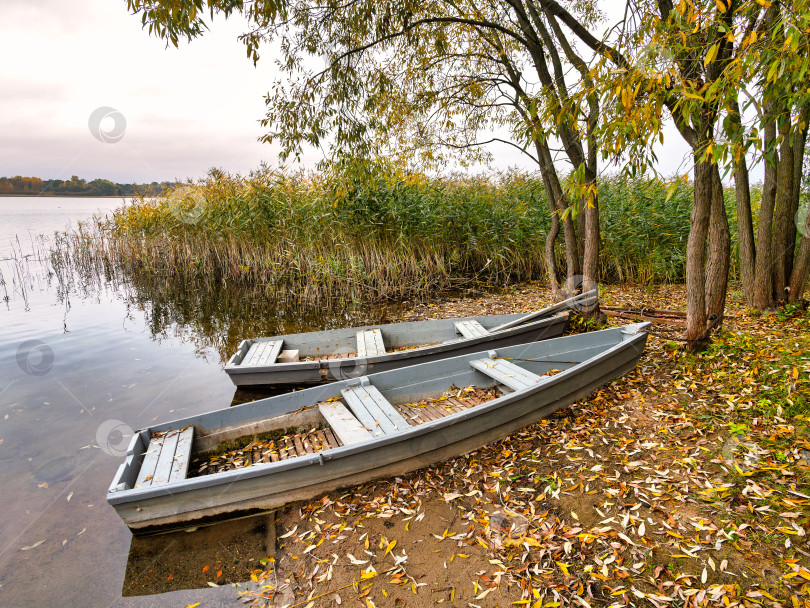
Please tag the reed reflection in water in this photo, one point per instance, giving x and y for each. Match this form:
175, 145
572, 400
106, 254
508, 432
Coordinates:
126, 350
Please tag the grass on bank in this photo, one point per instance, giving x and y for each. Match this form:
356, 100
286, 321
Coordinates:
326, 240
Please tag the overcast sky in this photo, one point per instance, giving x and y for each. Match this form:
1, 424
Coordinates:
186, 109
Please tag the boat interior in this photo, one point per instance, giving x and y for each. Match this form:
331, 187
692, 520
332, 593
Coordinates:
307, 422
363, 341
360, 413
294, 442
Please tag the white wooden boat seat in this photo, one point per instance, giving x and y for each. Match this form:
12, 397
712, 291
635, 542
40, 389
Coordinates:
506, 372
166, 459
374, 410
262, 352
343, 424
470, 328
370, 343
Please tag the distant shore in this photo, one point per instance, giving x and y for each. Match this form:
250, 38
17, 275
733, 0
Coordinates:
66, 195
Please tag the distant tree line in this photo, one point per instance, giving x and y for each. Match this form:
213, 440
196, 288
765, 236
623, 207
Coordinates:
77, 187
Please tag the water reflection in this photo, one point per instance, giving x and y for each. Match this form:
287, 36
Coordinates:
219, 318
213, 316
85, 355
246, 394
215, 555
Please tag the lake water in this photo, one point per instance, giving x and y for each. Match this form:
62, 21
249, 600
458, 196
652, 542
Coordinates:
22, 218
81, 365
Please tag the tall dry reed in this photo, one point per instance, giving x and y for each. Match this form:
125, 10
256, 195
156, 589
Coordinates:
330, 241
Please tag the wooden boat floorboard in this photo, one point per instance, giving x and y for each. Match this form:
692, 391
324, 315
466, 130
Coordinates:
332, 357
319, 440
349, 355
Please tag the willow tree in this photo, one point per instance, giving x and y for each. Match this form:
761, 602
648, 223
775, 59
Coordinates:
422, 80
691, 61
774, 268
734, 76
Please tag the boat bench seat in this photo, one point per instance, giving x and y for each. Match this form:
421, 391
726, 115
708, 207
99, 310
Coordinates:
166, 459
370, 343
343, 424
373, 410
470, 328
506, 372
262, 352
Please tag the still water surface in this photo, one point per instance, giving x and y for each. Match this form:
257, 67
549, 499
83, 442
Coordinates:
22, 218
81, 364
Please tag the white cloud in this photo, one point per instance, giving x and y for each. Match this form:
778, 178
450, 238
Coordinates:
186, 109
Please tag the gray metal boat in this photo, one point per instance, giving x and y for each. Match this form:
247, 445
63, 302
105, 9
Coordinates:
339, 354
260, 456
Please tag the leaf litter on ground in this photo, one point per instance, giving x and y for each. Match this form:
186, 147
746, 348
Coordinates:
684, 483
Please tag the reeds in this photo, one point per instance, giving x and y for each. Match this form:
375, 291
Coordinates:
645, 228
328, 241
301, 238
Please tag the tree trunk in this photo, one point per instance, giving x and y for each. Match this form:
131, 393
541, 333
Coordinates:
801, 265
696, 334
719, 253
590, 256
551, 238
799, 144
551, 184
582, 231
557, 196
551, 262
745, 228
745, 224
763, 285
781, 247
590, 260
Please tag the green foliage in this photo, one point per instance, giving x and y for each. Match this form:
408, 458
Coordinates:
737, 429
471, 223
693, 60
394, 235
645, 226
789, 311
765, 375
332, 240
644, 232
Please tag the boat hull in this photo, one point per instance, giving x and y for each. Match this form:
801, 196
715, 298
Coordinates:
271, 486
332, 370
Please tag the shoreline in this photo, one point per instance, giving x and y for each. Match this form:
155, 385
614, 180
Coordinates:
629, 472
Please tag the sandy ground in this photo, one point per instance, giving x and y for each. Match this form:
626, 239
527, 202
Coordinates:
636, 497
667, 487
